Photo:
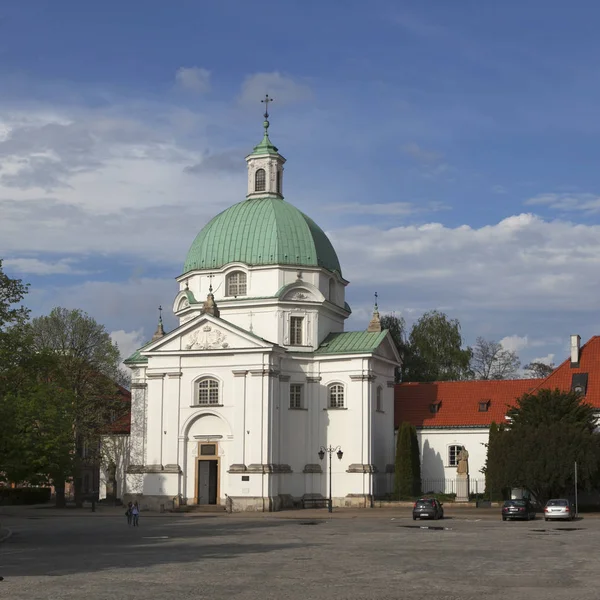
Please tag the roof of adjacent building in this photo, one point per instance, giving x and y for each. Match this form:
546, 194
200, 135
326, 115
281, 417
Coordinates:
351, 342
262, 231
459, 400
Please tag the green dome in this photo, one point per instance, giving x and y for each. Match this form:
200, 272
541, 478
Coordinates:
262, 231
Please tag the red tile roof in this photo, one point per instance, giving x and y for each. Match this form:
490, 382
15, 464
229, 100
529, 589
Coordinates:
460, 399
589, 362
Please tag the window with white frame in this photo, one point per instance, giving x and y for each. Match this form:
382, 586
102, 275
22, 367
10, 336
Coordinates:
260, 181
279, 182
453, 452
336, 396
379, 399
208, 392
296, 395
237, 283
296, 326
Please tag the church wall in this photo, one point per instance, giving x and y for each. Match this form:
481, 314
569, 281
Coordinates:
436, 473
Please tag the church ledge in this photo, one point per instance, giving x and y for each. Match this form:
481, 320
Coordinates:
268, 468
360, 468
312, 468
154, 469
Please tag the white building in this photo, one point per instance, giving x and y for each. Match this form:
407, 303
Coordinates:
235, 403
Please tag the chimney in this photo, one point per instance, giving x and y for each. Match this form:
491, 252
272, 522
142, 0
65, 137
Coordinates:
575, 341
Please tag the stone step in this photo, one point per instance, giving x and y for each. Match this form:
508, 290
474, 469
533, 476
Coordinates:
201, 508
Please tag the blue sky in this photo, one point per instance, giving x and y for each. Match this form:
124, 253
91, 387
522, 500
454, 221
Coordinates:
448, 149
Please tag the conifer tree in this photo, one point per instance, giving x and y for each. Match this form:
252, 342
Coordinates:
405, 464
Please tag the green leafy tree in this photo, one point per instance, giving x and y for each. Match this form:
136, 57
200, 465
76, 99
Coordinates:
87, 363
491, 360
435, 350
397, 328
408, 469
548, 432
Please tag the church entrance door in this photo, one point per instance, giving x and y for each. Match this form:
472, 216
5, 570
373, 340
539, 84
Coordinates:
207, 481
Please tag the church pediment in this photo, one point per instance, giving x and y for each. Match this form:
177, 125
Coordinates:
209, 333
300, 291
387, 349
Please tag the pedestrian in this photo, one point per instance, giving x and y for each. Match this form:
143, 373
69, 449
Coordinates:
135, 511
129, 513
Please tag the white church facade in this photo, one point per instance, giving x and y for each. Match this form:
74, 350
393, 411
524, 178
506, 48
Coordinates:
233, 406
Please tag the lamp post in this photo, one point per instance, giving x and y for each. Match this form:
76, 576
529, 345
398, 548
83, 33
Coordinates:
330, 450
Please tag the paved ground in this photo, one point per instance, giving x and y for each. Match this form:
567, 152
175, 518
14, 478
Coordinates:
370, 554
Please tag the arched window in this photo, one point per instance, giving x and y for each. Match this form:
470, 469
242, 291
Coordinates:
236, 284
336, 396
379, 399
260, 181
278, 182
208, 392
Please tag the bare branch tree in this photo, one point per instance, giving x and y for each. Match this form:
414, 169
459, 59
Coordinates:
492, 361
539, 369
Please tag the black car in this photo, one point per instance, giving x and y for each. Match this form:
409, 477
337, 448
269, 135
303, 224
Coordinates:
518, 509
428, 508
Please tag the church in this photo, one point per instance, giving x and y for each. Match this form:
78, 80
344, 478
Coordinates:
259, 391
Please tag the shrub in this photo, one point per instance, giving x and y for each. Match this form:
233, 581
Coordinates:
30, 495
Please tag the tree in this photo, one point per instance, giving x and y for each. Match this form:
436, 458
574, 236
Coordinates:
435, 350
493, 461
397, 328
408, 469
491, 361
88, 366
548, 432
538, 369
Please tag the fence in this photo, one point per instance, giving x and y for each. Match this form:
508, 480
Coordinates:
449, 486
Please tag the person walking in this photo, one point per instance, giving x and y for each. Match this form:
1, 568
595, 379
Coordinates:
135, 512
129, 513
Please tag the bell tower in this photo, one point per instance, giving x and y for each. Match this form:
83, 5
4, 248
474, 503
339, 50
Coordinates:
265, 165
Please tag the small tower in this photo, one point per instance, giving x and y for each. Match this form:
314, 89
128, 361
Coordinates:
160, 330
375, 322
209, 305
265, 165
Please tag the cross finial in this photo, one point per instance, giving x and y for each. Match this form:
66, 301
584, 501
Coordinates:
210, 287
376, 296
160, 314
266, 101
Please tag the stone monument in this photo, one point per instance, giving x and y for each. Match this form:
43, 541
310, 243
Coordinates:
462, 476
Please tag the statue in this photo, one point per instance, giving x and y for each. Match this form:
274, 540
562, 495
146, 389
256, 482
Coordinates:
462, 466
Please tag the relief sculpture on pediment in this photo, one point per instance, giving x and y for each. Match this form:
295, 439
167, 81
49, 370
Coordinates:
206, 338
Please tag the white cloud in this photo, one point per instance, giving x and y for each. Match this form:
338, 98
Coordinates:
546, 360
567, 202
514, 343
283, 89
128, 341
195, 79
521, 262
35, 266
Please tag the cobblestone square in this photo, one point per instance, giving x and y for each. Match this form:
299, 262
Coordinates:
375, 554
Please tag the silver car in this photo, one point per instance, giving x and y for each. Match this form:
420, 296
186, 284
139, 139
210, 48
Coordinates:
559, 508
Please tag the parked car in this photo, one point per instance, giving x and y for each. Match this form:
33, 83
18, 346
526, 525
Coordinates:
428, 508
559, 508
518, 509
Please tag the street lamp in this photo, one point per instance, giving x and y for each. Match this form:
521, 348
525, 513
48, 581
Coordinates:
330, 450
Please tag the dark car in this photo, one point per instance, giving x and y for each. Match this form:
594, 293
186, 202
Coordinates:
428, 508
518, 509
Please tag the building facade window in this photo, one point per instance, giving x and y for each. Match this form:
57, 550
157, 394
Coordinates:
336, 396
484, 406
296, 326
260, 181
379, 399
237, 284
453, 455
208, 392
278, 182
296, 395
